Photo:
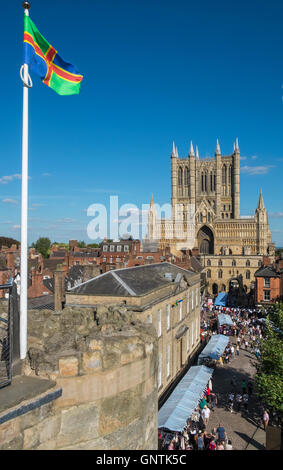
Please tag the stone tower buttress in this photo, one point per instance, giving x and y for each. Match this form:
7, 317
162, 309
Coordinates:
218, 180
236, 180
174, 175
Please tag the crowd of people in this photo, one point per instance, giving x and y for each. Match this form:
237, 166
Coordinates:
246, 333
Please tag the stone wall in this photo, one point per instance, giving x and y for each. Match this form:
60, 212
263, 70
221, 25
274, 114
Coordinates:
106, 365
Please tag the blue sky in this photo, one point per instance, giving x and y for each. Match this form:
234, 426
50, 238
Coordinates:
154, 71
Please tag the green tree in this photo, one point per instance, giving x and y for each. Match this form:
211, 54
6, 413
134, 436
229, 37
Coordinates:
42, 245
82, 244
269, 375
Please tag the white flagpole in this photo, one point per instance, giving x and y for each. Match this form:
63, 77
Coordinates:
24, 213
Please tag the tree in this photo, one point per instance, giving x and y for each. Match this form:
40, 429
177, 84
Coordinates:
269, 376
82, 244
42, 245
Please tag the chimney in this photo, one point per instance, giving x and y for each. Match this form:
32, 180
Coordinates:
59, 288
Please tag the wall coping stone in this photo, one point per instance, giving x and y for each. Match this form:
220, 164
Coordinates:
24, 395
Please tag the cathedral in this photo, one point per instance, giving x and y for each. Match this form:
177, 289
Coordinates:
205, 217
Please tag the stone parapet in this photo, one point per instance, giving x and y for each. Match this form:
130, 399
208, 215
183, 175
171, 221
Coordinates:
106, 366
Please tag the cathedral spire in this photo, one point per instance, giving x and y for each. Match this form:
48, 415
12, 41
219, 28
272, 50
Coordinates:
191, 153
217, 151
177, 155
234, 148
260, 204
197, 154
173, 154
237, 146
151, 200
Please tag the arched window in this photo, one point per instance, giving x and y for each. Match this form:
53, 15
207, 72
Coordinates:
214, 182
187, 177
208, 263
220, 262
205, 182
200, 217
230, 174
248, 274
208, 273
180, 177
208, 217
248, 263
233, 263
259, 263
220, 274
211, 182
224, 174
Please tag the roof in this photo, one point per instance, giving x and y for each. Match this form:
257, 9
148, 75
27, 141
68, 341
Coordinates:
196, 265
180, 405
135, 281
266, 271
214, 348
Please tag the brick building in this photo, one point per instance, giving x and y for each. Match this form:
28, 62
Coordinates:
269, 284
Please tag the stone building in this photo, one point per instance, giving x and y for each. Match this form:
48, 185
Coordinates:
205, 208
162, 294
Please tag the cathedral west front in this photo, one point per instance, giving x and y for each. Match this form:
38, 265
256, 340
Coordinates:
205, 216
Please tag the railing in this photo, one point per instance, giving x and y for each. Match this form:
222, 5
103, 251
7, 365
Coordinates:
9, 331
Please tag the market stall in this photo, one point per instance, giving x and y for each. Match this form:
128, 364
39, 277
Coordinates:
213, 350
184, 399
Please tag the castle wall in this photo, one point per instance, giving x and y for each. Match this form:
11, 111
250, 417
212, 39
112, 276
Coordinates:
107, 374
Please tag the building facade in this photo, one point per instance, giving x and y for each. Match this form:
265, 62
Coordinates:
162, 294
206, 216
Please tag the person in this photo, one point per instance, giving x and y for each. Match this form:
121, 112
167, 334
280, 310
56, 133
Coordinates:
213, 401
231, 401
220, 445
221, 432
246, 401
265, 419
200, 441
228, 445
238, 350
208, 394
202, 403
171, 445
210, 384
205, 415
232, 350
246, 345
239, 401
212, 445
244, 386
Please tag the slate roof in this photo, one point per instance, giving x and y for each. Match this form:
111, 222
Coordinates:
135, 281
196, 265
266, 271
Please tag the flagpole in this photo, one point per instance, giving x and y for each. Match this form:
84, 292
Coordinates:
24, 210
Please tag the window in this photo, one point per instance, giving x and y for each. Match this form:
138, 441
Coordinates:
111, 259
112, 248
233, 263
220, 262
119, 248
180, 177
188, 340
180, 311
104, 259
267, 282
267, 295
159, 370
159, 323
208, 263
248, 263
126, 247
105, 247
168, 360
168, 317
118, 259
248, 274
220, 274
188, 303
259, 263
208, 273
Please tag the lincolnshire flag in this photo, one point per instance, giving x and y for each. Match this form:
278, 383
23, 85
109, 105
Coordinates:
43, 60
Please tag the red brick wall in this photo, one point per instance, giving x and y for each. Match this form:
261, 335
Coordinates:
274, 289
